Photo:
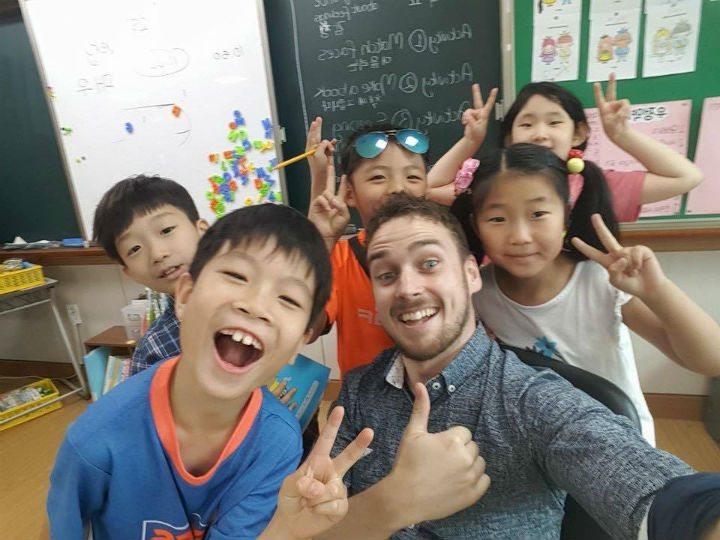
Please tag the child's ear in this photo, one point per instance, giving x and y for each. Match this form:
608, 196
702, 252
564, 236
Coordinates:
582, 132
183, 289
350, 195
201, 225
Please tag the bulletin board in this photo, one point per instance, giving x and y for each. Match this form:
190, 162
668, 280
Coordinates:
694, 87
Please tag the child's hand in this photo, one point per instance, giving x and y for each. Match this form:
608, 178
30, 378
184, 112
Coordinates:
284, 395
476, 119
614, 113
314, 497
324, 151
329, 211
634, 270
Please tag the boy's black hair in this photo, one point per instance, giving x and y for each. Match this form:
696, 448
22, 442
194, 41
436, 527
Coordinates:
402, 205
551, 91
529, 159
350, 159
293, 233
133, 197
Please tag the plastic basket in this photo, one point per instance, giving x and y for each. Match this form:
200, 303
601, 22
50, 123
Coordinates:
16, 280
51, 392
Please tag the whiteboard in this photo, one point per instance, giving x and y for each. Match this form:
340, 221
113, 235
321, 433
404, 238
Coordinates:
178, 89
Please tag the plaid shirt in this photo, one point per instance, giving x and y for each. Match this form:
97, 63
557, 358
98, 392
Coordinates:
160, 342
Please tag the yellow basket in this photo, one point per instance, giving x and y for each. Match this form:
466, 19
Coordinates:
45, 384
17, 280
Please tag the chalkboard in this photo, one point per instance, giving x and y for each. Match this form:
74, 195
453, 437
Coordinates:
160, 87
703, 82
409, 62
35, 201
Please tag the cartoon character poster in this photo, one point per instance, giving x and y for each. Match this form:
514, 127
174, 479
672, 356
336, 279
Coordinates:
671, 36
556, 56
613, 45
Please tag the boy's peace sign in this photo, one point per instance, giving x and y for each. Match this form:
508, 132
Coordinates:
614, 113
634, 270
329, 211
476, 119
314, 498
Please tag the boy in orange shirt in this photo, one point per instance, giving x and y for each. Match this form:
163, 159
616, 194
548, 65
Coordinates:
376, 161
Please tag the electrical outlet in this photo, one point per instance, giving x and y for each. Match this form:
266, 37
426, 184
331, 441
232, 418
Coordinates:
74, 313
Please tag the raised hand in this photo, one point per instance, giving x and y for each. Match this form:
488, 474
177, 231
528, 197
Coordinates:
318, 162
314, 498
329, 211
437, 474
614, 113
634, 270
283, 394
476, 119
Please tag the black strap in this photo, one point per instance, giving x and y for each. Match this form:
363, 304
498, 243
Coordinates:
360, 253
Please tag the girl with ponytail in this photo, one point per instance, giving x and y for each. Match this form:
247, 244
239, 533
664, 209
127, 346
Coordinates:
547, 114
561, 284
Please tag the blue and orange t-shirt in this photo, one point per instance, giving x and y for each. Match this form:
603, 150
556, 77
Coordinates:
119, 469
352, 307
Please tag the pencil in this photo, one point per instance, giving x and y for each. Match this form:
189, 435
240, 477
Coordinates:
294, 159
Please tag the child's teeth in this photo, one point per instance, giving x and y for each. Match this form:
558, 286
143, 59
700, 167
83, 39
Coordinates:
237, 336
247, 340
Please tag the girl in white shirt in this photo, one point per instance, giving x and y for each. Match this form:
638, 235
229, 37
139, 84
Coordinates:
562, 285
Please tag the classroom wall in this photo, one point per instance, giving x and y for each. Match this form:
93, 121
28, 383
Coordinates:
100, 292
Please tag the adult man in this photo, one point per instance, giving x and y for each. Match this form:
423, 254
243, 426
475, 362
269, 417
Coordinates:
481, 414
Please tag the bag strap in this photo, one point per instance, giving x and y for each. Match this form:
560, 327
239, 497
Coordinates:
360, 253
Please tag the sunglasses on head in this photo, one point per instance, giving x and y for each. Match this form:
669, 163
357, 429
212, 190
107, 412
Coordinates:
371, 145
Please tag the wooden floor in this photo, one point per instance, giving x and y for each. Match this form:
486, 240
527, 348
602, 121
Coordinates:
27, 453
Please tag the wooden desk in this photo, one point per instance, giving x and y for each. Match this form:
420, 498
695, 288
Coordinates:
115, 338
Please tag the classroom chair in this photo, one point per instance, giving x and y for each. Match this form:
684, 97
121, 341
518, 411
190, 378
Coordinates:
577, 523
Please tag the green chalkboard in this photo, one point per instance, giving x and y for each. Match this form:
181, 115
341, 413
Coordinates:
409, 62
696, 86
36, 202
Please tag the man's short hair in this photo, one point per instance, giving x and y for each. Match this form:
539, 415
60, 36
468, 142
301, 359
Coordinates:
404, 205
134, 197
294, 236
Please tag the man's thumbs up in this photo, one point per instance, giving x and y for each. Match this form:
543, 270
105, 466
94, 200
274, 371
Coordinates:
421, 410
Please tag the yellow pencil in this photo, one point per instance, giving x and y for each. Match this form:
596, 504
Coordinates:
294, 159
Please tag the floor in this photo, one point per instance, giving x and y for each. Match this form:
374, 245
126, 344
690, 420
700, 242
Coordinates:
27, 453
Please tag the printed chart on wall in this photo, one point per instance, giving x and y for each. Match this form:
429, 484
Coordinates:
175, 89
705, 199
667, 122
613, 45
556, 39
672, 28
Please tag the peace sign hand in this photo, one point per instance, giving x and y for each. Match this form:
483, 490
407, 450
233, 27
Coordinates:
614, 113
329, 212
476, 119
324, 151
634, 270
314, 498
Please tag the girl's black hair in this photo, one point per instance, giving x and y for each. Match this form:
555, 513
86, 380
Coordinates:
553, 92
530, 159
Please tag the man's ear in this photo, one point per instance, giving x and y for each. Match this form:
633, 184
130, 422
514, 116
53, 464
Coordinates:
201, 225
472, 273
183, 289
582, 132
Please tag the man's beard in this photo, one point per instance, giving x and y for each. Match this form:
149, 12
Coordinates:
447, 336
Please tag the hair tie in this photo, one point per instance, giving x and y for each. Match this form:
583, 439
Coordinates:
464, 176
575, 163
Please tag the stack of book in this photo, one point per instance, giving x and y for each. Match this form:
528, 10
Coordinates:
105, 371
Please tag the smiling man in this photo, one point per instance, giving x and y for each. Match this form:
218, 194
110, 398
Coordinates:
470, 442
192, 447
